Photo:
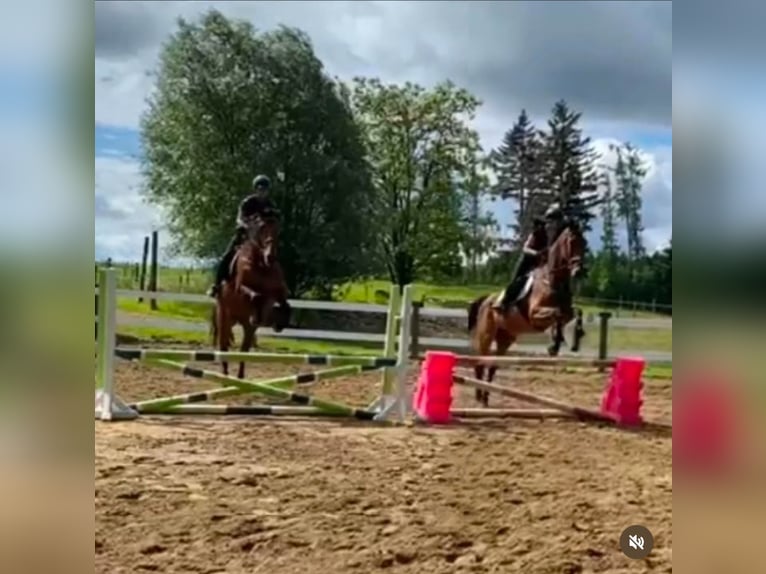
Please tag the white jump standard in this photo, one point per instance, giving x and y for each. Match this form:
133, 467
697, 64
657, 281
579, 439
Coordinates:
392, 403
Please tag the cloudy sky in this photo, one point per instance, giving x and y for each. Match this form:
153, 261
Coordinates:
611, 60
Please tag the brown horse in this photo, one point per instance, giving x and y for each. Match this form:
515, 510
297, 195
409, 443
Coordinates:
544, 303
248, 297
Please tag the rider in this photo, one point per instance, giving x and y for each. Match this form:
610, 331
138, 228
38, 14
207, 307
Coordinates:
544, 232
256, 204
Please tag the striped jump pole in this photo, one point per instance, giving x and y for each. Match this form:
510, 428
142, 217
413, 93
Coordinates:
491, 360
250, 410
162, 405
510, 413
579, 412
233, 356
328, 407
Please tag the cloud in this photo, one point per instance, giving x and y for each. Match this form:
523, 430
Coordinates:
123, 219
612, 60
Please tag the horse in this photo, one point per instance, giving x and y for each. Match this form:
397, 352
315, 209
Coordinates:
544, 303
255, 285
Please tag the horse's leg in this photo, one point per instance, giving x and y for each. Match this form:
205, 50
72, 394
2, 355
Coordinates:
248, 336
557, 336
503, 341
579, 331
483, 337
224, 328
563, 317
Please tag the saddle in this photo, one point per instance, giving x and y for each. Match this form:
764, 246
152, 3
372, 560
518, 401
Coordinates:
525, 290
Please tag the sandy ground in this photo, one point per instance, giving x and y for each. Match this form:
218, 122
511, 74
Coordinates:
249, 495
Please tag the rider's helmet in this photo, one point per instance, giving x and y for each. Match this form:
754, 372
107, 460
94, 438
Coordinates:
553, 212
261, 183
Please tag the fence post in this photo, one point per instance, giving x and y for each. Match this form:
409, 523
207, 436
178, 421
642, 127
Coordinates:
142, 277
415, 329
153, 269
603, 335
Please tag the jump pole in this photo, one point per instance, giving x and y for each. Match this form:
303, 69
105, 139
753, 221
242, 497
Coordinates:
246, 410
510, 413
233, 356
489, 360
578, 412
161, 405
249, 387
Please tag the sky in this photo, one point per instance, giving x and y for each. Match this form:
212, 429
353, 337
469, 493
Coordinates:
612, 61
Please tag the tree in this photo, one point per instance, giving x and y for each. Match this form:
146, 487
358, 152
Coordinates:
419, 147
518, 164
570, 165
482, 227
630, 171
230, 103
604, 271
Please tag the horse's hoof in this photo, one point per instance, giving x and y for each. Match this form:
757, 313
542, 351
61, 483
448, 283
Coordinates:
553, 350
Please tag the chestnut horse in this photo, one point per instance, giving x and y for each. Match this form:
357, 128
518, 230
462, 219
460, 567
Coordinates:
248, 297
544, 303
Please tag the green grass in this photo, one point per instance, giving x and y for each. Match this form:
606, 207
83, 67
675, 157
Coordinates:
628, 339
167, 309
620, 338
372, 291
167, 336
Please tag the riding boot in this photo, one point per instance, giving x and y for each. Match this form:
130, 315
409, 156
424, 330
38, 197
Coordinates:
509, 295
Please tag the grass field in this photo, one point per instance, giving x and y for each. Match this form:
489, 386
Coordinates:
372, 291
166, 336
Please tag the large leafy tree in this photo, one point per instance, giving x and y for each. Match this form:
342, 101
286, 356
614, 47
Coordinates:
420, 149
230, 103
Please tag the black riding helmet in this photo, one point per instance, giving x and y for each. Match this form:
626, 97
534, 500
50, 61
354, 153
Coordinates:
554, 212
261, 182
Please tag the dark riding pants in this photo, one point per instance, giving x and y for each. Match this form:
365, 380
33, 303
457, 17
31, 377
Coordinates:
222, 271
526, 265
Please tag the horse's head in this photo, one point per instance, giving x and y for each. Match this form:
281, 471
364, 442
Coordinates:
568, 251
263, 233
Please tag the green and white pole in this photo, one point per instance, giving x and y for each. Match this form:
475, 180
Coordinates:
162, 405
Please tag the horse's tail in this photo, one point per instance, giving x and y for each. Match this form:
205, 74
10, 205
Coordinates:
473, 312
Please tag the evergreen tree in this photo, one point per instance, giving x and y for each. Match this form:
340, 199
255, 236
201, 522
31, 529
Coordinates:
481, 225
609, 245
630, 171
570, 165
518, 164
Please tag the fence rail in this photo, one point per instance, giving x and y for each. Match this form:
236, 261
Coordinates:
434, 312
534, 344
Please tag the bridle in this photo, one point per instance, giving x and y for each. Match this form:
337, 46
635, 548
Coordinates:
566, 260
264, 242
